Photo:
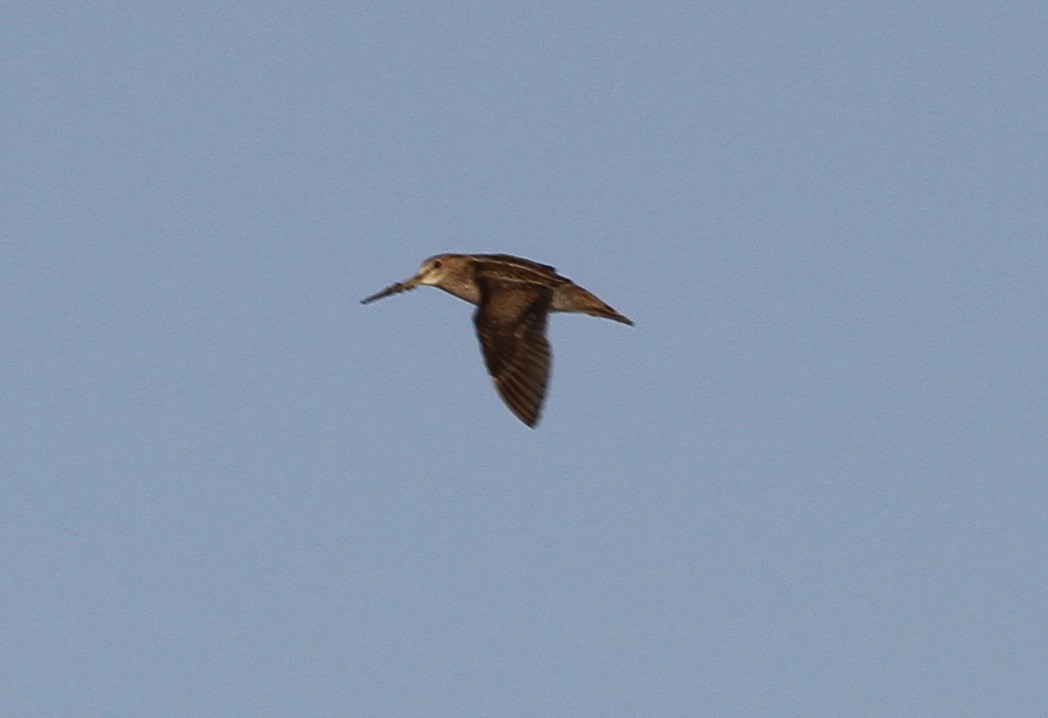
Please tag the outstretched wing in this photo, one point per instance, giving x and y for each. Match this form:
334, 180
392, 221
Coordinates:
511, 327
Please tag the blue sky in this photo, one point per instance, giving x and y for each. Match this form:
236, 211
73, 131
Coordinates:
810, 481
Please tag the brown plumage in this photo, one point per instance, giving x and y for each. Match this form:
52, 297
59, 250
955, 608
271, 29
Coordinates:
513, 297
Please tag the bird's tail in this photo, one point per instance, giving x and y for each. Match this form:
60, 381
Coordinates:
580, 300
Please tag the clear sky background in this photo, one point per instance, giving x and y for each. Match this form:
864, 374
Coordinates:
811, 481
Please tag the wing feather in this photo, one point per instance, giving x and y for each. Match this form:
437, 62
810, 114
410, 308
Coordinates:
511, 327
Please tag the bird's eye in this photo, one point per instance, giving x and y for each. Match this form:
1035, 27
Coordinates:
436, 264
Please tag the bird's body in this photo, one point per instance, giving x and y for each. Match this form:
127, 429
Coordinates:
513, 297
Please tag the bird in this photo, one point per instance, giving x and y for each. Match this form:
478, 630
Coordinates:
513, 296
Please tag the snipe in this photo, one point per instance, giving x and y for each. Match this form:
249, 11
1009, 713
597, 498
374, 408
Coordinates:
513, 297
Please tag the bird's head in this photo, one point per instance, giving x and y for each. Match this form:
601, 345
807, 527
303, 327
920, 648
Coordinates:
432, 272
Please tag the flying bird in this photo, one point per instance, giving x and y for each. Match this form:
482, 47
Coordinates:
513, 297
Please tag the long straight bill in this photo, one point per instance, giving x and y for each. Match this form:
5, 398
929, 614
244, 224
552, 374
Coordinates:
391, 289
